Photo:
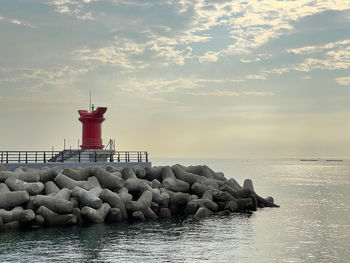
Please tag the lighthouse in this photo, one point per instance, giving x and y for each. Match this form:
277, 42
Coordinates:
91, 151
92, 128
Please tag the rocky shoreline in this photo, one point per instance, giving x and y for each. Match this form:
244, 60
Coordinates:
55, 197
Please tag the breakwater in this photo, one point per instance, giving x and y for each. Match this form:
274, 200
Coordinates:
52, 196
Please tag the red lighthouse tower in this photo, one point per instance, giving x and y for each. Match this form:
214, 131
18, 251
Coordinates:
92, 126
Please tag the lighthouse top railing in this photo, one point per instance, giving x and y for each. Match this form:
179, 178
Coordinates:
73, 155
90, 143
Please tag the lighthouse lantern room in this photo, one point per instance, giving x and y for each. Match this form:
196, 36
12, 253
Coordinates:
92, 128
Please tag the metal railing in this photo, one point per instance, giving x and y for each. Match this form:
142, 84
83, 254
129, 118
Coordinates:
78, 156
89, 143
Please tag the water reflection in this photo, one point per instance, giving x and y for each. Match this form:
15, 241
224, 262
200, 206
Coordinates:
215, 239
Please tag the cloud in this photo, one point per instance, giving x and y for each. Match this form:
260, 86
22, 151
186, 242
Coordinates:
73, 8
319, 48
258, 93
256, 76
330, 56
252, 24
162, 86
157, 86
15, 21
40, 80
229, 93
122, 54
247, 24
345, 81
332, 60
218, 93
132, 3
194, 84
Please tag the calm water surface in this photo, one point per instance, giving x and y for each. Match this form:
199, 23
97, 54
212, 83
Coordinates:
312, 225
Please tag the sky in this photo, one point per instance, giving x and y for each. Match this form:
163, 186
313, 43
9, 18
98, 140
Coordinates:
191, 79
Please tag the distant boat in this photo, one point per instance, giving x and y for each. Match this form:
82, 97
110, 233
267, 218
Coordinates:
334, 160
308, 160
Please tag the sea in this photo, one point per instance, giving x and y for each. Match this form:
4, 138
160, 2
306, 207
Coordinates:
311, 225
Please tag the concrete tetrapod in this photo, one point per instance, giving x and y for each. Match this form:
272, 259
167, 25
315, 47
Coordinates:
106, 179
207, 201
140, 172
138, 216
96, 215
102, 194
128, 173
25, 176
142, 203
51, 188
185, 176
64, 181
16, 215
94, 182
136, 185
78, 174
149, 214
4, 188
49, 174
114, 215
233, 183
156, 184
124, 194
57, 205
17, 185
12, 199
171, 183
64, 194
202, 212
115, 201
54, 219
164, 213
73, 174
86, 197
154, 172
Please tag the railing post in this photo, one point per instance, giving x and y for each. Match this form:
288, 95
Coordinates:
79, 156
95, 157
26, 157
36, 157
19, 157
44, 157
118, 157
63, 156
2, 154
7, 157
111, 156
146, 156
